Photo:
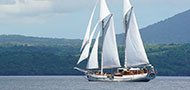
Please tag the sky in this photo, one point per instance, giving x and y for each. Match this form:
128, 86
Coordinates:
69, 18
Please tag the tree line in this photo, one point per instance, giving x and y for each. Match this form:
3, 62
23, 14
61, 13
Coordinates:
42, 59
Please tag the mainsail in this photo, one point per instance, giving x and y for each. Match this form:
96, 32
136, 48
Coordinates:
110, 58
110, 52
135, 51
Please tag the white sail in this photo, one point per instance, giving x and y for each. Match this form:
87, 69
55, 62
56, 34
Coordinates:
136, 54
93, 59
84, 53
110, 52
104, 11
126, 7
86, 49
87, 35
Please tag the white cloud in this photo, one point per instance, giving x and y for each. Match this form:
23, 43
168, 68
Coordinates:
29, 11
26, 7
24, 11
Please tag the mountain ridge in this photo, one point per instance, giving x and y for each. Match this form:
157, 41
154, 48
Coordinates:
37, 40
172, 30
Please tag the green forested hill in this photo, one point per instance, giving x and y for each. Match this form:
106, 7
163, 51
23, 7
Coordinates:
170, 59
39, 59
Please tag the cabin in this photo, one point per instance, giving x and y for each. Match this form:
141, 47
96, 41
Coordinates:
130, 71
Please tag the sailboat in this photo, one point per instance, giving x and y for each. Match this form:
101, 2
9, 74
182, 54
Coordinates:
136, 64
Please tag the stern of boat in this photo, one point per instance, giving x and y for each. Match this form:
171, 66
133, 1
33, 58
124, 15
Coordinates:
152, 73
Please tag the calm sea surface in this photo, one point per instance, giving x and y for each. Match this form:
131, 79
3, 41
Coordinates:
80, 83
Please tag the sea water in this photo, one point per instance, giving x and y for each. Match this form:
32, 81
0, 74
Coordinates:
80, 83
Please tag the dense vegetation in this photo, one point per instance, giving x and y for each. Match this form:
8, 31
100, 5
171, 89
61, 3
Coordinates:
42, 59
170, 59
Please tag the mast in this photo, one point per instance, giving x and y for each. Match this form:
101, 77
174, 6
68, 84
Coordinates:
125, 26
102, 69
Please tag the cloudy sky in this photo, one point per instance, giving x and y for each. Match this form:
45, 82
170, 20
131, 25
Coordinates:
69, 18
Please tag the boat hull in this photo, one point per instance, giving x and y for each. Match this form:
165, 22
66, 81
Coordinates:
125, 78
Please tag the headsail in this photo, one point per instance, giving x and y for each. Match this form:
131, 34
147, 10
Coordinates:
86, 49
93, 59
87, 35
136, 54
110, 52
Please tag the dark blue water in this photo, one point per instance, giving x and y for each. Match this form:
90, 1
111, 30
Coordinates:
80, 83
